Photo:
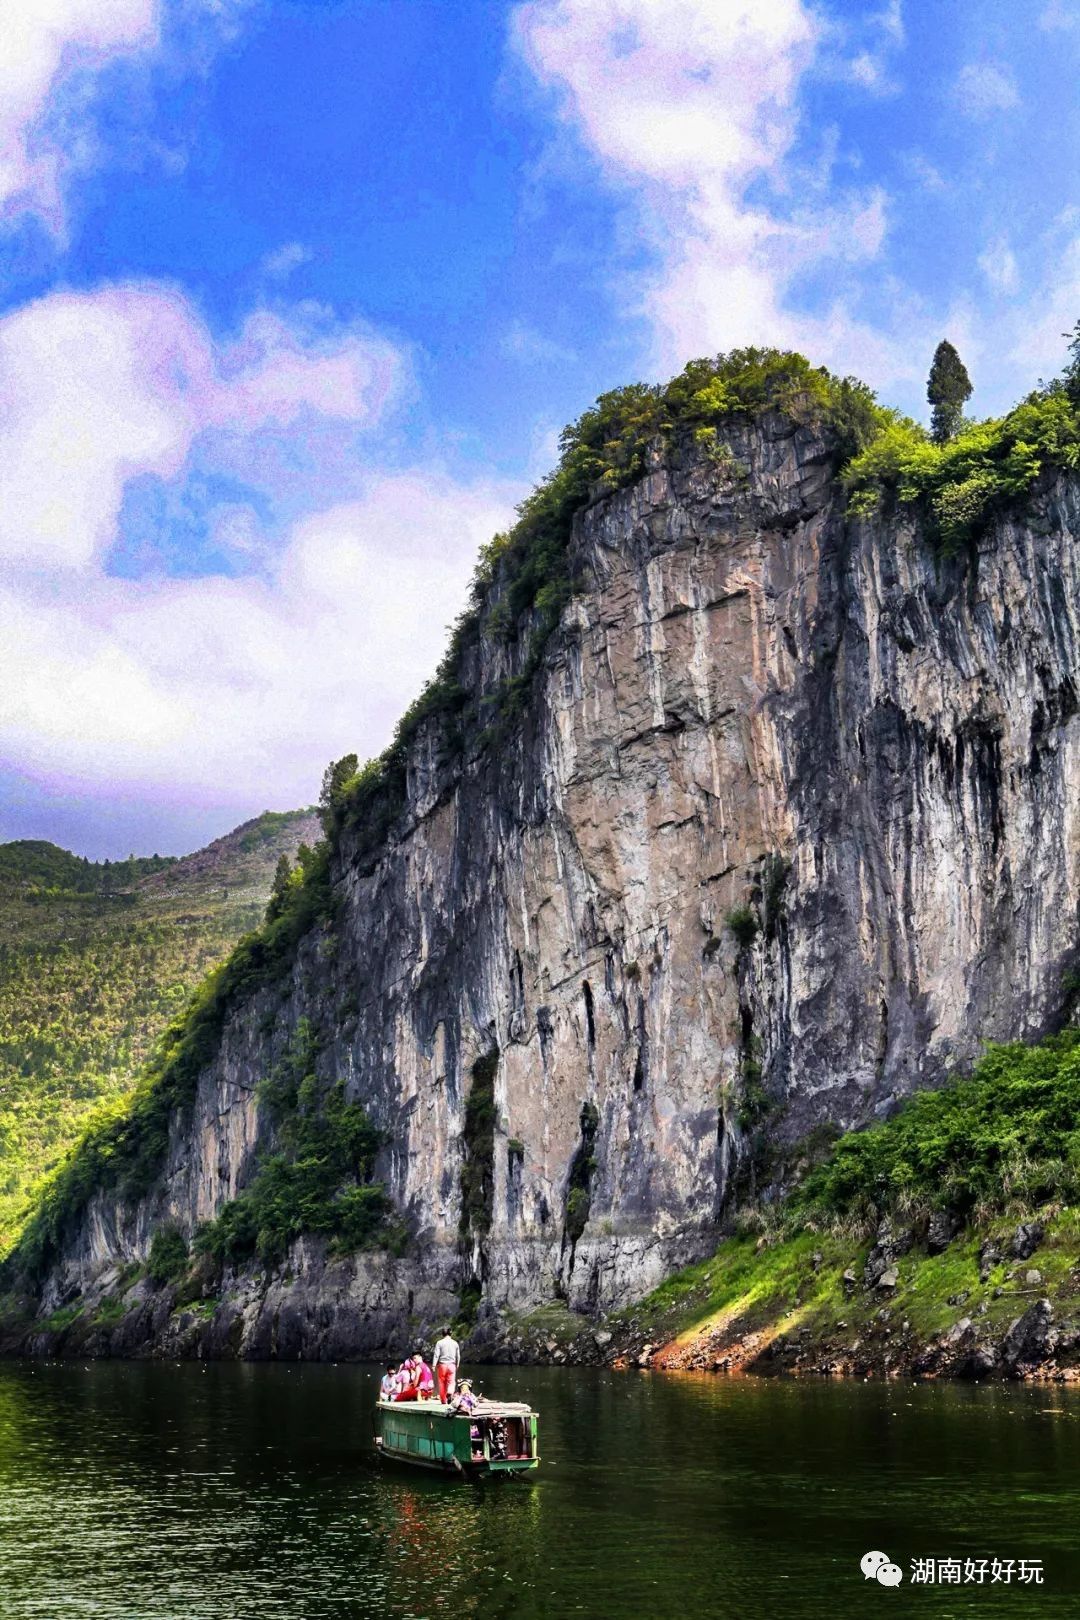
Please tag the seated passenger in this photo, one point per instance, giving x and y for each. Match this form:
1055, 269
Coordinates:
425, 1380
389, 1380
406, 1382
464, 1400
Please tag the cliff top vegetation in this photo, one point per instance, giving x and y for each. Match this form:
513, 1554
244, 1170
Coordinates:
1003, 1141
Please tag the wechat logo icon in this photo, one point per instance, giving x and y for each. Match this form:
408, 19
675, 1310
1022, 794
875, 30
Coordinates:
878, 1566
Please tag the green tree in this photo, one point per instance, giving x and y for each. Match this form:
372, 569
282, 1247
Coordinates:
336, 777
1072, 368
280, 887
948, 389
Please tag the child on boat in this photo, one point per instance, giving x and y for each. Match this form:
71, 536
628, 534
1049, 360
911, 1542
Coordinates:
464, 1400
415, 1381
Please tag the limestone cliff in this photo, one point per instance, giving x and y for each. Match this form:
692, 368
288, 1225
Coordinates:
753, 707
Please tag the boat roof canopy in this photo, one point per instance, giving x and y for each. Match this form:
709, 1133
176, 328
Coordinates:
482, 1409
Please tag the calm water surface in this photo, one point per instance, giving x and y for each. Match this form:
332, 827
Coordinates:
145, 1492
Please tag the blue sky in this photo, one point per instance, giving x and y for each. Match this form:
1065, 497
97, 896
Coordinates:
295, 297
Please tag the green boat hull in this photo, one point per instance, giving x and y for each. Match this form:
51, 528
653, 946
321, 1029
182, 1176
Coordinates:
427, 1435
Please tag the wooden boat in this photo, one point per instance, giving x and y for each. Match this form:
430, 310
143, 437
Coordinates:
497, 1437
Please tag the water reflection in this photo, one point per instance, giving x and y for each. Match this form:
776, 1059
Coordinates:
139, 1492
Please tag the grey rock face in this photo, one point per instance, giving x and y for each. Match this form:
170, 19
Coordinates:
1031, 1337
1026, 1239
942, 1227
752, 701
892, 1242
980, 1362
989, 1257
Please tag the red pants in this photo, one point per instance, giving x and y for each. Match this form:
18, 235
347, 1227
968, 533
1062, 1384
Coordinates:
447, 1377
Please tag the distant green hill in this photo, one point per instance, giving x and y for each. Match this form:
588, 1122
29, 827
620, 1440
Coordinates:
32, 865
95, 958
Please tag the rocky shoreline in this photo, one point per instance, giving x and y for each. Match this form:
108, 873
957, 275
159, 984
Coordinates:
881, 1312
1037, 1347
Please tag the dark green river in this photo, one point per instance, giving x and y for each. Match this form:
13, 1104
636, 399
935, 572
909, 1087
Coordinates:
149, 1492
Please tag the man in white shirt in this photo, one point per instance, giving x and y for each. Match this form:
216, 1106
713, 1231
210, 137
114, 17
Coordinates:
446, 1358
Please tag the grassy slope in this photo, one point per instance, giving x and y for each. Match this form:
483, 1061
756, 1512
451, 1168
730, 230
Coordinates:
94, 961
987, 1152
734, 1307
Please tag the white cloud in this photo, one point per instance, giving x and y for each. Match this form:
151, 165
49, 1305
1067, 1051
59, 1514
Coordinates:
52, 57
280, 264
692, 111
927, 174
998, 264
891, 22
1035, 338
39, 40
223, 690
102, 386
871, 67
233, 691
870, 72
1063, 15
985, 88
682, 94
523, 342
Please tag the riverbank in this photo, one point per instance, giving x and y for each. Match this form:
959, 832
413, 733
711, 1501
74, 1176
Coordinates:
998, 1301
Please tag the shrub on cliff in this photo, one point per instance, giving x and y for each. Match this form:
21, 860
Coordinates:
318, 1178
1003, 1141
959, 486
744, 925
478, 1149
1071, 378
168, 1255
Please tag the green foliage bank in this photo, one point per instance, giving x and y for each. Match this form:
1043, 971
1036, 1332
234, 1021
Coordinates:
986, 1152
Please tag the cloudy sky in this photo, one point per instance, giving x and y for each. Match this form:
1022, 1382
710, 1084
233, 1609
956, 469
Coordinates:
295, 296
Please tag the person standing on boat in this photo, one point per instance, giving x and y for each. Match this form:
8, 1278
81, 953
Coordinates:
447, 1359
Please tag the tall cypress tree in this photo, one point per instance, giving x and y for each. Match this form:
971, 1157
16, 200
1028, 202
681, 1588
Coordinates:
948, 389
